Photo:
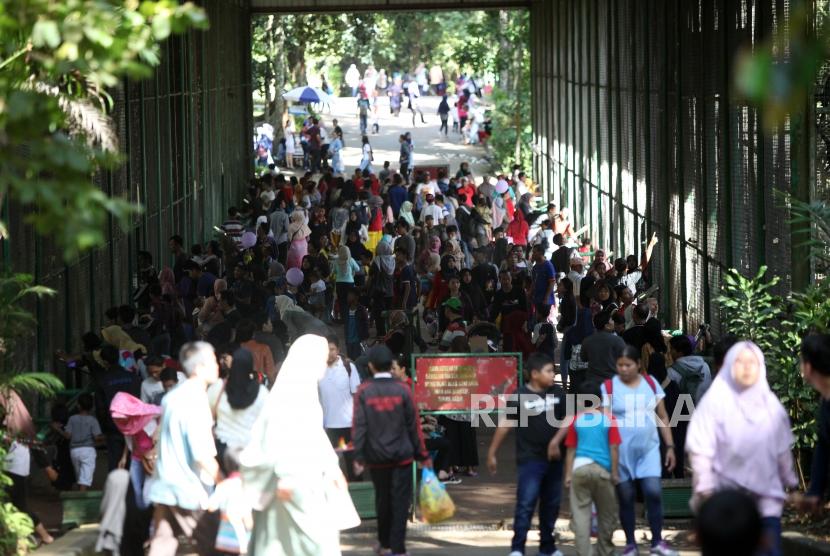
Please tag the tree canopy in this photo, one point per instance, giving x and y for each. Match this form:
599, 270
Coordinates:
58, 63
294, 49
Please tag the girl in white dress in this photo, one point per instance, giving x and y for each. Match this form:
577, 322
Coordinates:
290, 145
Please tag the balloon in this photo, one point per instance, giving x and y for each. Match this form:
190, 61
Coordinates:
294, 276
248, 240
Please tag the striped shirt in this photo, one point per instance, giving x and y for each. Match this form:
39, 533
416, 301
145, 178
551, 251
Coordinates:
234, 229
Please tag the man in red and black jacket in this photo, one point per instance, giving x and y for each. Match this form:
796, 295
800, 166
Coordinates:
387, 438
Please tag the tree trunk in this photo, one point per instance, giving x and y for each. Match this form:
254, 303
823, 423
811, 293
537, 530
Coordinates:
517, 122
278, 63
504, 46
268, 83
516, 82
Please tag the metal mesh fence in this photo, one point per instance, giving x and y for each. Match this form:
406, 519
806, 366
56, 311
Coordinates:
649, 138
186, 139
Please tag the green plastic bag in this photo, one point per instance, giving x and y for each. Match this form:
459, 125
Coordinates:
436, 505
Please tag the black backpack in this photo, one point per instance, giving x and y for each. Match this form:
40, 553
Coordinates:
383, 284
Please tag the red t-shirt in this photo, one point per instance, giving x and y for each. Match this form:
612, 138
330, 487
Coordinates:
470, 192
614, 438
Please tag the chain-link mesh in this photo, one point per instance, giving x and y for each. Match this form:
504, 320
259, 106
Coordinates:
186, 138
658, 142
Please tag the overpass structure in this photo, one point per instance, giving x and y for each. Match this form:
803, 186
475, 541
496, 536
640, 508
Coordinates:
635, 126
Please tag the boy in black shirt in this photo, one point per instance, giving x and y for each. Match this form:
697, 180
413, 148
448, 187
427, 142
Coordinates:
540, 407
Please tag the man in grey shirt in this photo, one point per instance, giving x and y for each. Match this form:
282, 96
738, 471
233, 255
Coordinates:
405, 238
601, 349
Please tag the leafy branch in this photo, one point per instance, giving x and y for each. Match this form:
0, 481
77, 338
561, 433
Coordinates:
58, 60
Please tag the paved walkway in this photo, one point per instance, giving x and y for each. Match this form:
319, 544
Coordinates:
430, 146
479, 543
484, 518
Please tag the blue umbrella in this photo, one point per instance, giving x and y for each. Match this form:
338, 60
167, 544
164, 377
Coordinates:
307, 94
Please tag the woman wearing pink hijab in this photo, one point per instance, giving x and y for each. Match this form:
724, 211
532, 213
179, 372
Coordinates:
138, 422
167, 281
740, 438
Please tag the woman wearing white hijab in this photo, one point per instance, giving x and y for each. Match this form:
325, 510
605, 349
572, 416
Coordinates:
740, 438
290, 470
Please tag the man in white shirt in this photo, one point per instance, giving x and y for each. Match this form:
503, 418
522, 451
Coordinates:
427, 187
152, 388
412, 89
576, 273
431, 209
414, 101
337, 387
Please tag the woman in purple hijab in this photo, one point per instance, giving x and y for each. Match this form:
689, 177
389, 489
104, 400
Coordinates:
740, 438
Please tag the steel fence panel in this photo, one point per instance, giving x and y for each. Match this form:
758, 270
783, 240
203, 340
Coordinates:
657, 141
186, 145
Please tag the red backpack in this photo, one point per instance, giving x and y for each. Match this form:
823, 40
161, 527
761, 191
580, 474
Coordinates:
610, 382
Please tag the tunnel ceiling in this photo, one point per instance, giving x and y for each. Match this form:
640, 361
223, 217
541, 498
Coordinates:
328, 6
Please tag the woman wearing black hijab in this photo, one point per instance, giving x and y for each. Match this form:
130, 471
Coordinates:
236, 402
476, 295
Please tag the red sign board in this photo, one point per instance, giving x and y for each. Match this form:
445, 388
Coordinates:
448, 382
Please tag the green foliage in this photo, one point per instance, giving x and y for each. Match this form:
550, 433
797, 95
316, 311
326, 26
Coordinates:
812, 222
16, 327
484, 43
57, 60
15, 526
511, 116
17, 323
751, 310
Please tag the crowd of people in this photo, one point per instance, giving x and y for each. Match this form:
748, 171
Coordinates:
461, 107
244, 384
461, 111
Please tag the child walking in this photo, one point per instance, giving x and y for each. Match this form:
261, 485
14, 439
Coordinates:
236, 521
541, 404
83, 431
635, 400
591, 471
387, 437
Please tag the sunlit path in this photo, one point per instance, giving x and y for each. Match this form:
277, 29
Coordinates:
431, 147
